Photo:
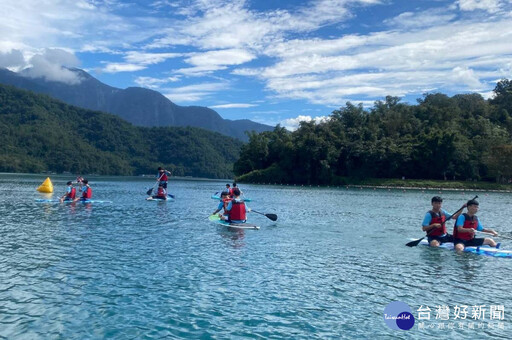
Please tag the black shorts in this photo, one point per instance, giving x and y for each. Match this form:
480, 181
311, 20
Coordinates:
475, 242
441, 239
164, 184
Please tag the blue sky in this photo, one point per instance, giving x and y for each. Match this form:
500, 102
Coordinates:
268, 61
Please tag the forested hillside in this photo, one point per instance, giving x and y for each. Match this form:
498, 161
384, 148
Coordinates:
463, 137
42, 134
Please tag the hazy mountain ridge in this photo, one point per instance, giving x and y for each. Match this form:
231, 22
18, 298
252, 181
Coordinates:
139, 106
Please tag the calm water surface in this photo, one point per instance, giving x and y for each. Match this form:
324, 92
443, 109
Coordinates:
327, 268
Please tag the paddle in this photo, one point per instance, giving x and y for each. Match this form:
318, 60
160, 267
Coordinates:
416, 242
154, 186
273, 217
505, 237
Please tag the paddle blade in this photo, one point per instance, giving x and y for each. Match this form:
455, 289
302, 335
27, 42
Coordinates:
273, 217
171, 196
414, 243
149, 191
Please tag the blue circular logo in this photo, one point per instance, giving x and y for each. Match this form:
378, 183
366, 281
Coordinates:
398, 315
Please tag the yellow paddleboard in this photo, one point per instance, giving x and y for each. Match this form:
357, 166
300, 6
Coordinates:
47, 186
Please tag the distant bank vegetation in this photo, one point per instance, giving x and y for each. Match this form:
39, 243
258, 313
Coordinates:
464, 137
40, 134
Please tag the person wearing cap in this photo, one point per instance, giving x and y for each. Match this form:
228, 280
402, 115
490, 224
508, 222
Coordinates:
70, 193
466, 226
434, 223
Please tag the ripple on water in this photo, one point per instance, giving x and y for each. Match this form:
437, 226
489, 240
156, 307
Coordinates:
134, 269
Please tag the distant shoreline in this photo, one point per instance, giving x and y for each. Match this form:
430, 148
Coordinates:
373, 183
135, 177
399, 184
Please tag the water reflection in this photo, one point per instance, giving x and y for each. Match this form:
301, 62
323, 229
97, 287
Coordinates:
233, 237
469, 268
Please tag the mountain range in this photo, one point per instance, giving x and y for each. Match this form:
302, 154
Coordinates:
41, 134
139, 106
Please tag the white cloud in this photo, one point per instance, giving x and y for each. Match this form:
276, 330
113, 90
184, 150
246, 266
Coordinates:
491, 6
232, 106
210, 61
466, 76
488, 94
228, 24
456, 56
194, 93
79, 25
248, 72
53, 64
199, 71
122, 67
154, 83
85, 5
268, 112
292, 124
12, 59
190, 97
43, 23
457, 48
144, 58
427, 19
220, 57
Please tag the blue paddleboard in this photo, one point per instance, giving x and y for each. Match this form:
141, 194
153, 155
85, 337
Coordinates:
216, 219
44, 200
216, 196
482, 250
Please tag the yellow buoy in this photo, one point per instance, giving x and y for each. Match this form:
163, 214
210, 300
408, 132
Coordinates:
47, 186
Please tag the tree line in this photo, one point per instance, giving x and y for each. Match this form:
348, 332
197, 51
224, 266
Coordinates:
463, 137
42, 134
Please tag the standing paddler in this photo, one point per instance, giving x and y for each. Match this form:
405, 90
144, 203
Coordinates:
162, 177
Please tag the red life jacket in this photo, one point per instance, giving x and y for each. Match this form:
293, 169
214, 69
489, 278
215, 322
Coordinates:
163, 177
470, 223
160, 192
72, 194
87, 193
226, 202
237, 211
231, 192
437, 218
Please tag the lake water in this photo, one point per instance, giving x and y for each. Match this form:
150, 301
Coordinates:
327, 268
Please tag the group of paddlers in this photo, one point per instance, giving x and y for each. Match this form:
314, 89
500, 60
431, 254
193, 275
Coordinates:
71, 192
466, 225
233, 206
